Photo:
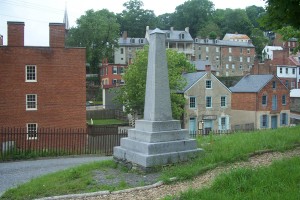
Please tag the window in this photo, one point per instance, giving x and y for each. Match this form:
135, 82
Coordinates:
32, 131
227, 66
229, 50
280, 70
141, 41
206, 49
223, 101
241, 67
192, 102
229, 58
223, 123
208, 102
248, 59
264, 121
217, 57
31, 102
206, 57
217, 49
233, 66
199, 48
274, 84
264, 100
208, 84
114, 81
283, 119
274, 102
115, 70
132, 40
122, 51
241, 50
199, 56
292, 85
294, 71
286, 70
241, 59
31, 73
286, 83
248, 51
168, 35
283, 99
181, 36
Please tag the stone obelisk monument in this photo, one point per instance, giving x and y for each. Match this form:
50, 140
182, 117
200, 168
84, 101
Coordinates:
157, 139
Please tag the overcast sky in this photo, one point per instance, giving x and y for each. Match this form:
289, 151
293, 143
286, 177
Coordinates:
38, 14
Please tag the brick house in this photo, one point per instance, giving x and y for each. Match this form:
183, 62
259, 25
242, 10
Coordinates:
208, 103
283, 65
261, 100
42, 87
231, 58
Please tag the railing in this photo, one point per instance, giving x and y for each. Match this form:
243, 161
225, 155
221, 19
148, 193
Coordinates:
18, 144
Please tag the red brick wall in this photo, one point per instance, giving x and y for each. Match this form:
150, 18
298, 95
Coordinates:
60, 87
243, 101
253, 101
15, 33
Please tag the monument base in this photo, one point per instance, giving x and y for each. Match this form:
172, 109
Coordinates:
150, 145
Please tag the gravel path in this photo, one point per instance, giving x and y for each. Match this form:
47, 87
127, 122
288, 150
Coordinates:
200, 181
16, 173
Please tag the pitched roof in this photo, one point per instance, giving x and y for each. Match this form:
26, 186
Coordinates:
174, 35
191, 79
132, 41
235, 36
200, 65
252, 83
223, 43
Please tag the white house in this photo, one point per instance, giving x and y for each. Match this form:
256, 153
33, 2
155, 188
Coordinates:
267, 52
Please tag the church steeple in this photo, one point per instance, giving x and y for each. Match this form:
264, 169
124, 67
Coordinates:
66, 20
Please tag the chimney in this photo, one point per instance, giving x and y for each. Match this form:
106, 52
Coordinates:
15, 33
187, 29
207, 68
147, 28
1, 40
124, 35
57, 34
172, 28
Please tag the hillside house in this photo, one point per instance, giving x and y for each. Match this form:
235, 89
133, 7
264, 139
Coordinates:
208, 103
261, 100
230, 58
42, 87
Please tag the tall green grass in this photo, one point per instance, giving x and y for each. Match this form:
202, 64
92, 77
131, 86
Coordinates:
224, 149
281, 181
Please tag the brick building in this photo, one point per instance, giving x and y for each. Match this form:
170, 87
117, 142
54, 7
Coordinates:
231, 58
261, 100
42, 87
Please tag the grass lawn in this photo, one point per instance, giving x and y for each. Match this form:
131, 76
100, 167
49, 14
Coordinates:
219, 150
105, 121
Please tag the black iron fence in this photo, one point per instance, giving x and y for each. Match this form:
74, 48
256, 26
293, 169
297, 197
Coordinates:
16, 143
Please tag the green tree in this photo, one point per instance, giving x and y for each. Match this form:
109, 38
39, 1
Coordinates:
259, 41
253, 13
164, 21
281, 13
98, 31
210, 30
193, 14
132, 94
134, 19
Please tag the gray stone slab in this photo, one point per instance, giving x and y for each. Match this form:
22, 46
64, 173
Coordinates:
159, 147
155, 160
156, 126
162, 136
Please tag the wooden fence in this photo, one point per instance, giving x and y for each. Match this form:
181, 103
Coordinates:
18, 144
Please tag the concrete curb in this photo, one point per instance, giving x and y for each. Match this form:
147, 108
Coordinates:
93, 194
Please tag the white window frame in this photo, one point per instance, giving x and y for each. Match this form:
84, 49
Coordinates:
208, 84
264, 102
283, 100
210, 102
248, 59
31, 102
217, 49
223, 101
206, 49
248, 51
229, 50
192, 102
32, 130
115, 70
29, 73
229, 58
233, 66
241, 59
